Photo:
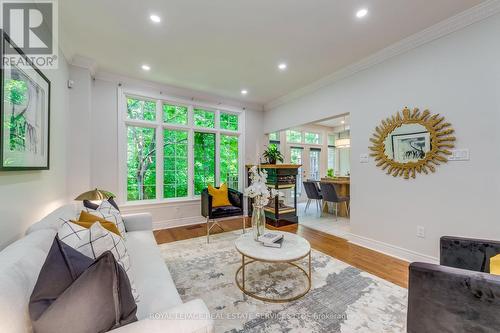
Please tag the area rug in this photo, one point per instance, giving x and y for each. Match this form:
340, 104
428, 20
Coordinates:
342, 298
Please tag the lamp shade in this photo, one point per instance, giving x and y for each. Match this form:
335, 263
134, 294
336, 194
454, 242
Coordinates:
95, 195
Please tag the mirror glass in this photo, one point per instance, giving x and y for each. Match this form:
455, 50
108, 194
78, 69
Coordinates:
408, 143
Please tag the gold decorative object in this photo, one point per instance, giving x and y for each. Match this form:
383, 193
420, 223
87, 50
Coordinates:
95, 195
439, 133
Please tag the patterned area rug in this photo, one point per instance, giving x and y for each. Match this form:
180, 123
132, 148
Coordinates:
342, 298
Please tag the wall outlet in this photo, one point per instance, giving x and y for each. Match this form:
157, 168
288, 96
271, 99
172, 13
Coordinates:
363, 158
420, 231
459, 155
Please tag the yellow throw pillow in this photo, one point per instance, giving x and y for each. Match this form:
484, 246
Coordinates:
495, 265
219, 196
86, 220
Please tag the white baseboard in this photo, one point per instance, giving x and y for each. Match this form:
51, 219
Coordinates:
180, 222
391, 250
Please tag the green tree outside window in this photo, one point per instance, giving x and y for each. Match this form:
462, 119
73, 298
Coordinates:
204, 118
229, 160
204, 161
141, 163
229, 121
175, 164
141, 109
175, 114
293, 136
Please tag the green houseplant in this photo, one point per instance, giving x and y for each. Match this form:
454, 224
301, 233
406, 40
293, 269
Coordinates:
272, 154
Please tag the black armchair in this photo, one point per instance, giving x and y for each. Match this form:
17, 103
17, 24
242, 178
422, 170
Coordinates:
459, 295
214, 214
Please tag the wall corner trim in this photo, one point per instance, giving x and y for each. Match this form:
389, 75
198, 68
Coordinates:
441, 29
391, 250
84, 62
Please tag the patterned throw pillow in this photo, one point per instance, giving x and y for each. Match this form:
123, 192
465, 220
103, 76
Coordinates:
71, 233
99, 240
109, 213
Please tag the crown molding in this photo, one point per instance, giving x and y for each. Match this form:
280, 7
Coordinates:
84, 62
441, 29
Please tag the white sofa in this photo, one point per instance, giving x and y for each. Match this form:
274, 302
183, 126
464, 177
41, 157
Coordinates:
160, 308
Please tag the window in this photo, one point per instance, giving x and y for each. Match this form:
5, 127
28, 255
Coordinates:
229, 166
175, 114
229, 121
141, 163
314, 155
172, 150
141, 110
175, 161
204, 118
331, 158
293, 136
331, 140
275, 136
204, 160
311, 138
296, 158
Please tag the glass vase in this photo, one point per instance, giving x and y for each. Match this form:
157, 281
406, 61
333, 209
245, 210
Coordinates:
258, 221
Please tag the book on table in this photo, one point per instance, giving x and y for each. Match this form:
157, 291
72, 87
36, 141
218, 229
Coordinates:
272, 239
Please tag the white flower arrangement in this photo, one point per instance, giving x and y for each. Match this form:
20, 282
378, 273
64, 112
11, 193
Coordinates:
258, 189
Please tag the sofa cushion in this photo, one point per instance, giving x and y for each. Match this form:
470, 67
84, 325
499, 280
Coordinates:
152, 278
109, 213
98, 300
20, 264
226, 211
56, 218
86, 220
94, 206
71, 233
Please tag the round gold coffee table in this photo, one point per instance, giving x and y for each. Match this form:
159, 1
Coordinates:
294, 248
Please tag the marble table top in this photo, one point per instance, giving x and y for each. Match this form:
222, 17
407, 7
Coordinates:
293, 248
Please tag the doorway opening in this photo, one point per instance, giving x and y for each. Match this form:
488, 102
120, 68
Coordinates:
323, 150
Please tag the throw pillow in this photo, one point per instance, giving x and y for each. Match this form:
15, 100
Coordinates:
109, 213
94, 206
86, 220
99, 240
219, 196
73, 293
495, 265
71, 233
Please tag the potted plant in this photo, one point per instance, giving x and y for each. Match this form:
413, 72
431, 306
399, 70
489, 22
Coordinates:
272, 154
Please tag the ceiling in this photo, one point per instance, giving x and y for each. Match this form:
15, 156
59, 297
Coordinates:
221, 47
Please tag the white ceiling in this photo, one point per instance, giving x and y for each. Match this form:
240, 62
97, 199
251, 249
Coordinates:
222, 46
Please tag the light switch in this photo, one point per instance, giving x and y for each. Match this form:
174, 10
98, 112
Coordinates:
363, 158
459, 155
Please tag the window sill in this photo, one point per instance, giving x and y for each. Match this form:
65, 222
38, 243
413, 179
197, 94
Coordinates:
140, 203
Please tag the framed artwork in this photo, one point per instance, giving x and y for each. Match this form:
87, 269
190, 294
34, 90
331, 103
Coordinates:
410, 147
24, 114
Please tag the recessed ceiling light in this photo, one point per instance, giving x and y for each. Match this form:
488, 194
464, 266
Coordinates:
146, 67
361, 13
282, 66
244, 91
342, 122
155, 18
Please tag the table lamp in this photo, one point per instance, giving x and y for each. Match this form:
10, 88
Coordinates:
95, 195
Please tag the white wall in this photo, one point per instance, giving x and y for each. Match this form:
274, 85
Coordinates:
27, 196
457, 76
103, 156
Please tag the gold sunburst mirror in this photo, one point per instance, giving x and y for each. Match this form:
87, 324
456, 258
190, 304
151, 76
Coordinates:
412, 142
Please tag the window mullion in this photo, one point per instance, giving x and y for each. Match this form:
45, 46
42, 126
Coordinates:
190, 153
159, 151
217, 147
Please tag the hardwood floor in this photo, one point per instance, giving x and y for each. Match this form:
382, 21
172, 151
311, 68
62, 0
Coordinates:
381, 265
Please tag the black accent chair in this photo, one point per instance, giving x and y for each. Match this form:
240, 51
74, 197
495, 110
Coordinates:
329, 194
217, 213
459, 295
313, 193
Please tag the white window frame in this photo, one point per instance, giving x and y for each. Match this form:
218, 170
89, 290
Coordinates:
158, 124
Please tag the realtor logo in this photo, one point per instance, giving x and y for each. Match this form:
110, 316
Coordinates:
32, 27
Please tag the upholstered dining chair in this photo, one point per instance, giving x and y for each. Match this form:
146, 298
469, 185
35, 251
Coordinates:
330, 195
215, 214
313, 193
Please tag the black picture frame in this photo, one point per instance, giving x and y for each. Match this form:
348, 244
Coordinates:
3, 45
